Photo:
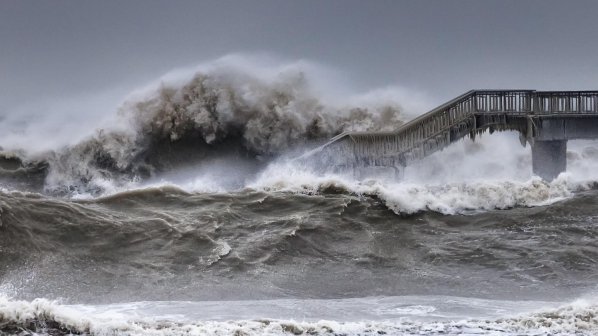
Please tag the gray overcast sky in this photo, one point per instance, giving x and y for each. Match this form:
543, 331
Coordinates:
443, 48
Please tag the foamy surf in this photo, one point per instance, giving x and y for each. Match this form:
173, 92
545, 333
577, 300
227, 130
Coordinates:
492, 174
402, 197
389, 315
410, 197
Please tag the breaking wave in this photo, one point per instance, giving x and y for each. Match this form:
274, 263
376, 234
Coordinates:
45, 317
493, 173
233, 124
449, 198
227, 107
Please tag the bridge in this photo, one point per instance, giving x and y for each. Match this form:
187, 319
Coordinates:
544, 119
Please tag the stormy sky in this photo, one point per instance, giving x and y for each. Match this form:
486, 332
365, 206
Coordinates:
442, 48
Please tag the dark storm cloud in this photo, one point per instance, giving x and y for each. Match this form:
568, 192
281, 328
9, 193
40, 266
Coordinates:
63, 48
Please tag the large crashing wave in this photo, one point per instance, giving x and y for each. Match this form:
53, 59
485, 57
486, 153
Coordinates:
227, 120
220, 109
495, 172
268, 117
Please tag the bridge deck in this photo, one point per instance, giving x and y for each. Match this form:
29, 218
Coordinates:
470, 114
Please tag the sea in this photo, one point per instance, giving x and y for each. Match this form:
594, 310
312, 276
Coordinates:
190, 215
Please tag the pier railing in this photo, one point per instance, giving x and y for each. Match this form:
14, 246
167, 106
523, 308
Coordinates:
457, 118
567, 102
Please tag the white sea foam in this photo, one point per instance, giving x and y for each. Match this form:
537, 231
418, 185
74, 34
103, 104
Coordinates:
494, 173
176, 318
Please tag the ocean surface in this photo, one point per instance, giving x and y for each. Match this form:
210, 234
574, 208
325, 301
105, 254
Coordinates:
192, 217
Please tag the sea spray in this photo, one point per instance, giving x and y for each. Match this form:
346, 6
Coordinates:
408, 197
225, 107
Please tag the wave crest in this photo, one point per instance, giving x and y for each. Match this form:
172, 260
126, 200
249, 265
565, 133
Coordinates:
47, 317
218, 110
269, 116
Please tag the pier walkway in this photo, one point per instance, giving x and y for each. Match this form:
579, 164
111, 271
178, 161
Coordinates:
544, 119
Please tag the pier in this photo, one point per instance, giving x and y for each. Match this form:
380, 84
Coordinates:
545, 120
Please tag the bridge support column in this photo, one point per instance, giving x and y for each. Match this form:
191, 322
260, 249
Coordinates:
549, 158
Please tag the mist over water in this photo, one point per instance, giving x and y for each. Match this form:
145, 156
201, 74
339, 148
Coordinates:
233, 107
182, 209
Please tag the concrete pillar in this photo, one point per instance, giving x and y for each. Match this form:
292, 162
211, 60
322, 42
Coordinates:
399, 173
549, 158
